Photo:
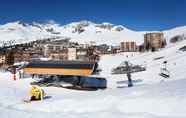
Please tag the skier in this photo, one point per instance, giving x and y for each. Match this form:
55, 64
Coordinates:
36, 93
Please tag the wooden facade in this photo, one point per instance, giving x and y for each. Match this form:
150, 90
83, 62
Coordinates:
2, 59
128, 46
154, 40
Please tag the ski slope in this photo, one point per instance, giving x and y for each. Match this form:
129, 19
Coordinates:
175, 64
151, 97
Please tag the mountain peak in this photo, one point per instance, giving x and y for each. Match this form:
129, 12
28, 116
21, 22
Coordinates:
82, 31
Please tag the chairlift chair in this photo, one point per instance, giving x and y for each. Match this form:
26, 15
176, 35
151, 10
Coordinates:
164, 73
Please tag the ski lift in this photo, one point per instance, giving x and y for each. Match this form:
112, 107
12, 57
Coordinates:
163, 71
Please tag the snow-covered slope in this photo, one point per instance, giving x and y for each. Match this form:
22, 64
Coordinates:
151, 97
163, 100
82, 32
104, 33
176, 64
19, 32
178, 31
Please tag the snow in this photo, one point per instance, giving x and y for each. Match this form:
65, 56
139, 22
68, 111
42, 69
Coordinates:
20, 32
151, 97
104, 36
174, 32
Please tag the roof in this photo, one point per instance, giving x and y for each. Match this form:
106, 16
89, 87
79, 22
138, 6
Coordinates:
61, 64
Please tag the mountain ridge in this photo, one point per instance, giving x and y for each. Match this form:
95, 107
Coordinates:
81, 32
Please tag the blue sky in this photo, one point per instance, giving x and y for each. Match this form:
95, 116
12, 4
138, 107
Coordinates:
134, 14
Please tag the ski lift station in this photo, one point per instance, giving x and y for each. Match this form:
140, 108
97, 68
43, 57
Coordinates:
76, 72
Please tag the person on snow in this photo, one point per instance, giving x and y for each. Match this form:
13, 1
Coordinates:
36, 93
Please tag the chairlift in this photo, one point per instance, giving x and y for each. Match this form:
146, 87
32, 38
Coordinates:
164, 73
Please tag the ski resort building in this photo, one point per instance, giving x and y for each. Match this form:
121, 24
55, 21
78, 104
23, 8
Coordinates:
59, 52
103, 48
154, 41
72, 53
49, 48
59, 55
6, 58
2, 58
28, 54
81, 54
128, 46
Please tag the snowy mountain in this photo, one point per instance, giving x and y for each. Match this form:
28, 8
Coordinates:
82, 32
19, 32
105, 33
175, 32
